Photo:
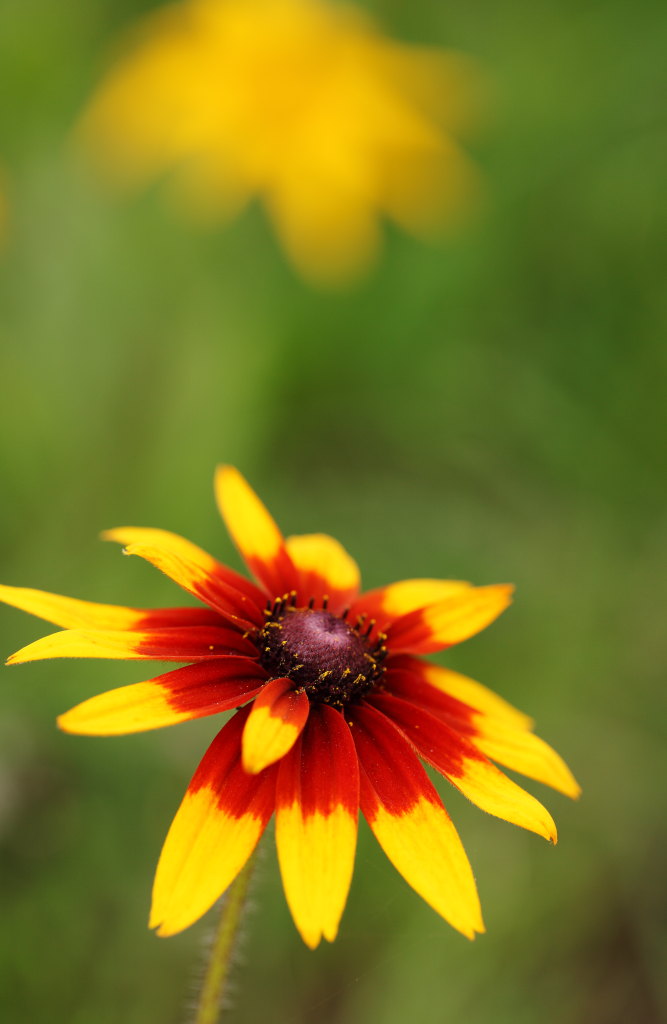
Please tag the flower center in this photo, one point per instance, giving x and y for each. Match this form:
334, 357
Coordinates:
320, 652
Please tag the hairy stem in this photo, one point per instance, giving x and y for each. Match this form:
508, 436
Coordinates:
218, 968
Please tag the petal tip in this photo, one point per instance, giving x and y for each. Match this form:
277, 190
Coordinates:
475, 927
159, 924
118, 534
544, 826
67, 723
225, 472
312, 939
470, 929
569, 788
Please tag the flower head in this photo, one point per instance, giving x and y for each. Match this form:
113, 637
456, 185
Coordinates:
336, 709
303, 103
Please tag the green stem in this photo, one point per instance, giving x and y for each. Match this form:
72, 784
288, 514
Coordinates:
218, 968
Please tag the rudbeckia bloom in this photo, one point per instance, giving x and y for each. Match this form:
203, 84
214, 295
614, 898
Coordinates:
302, 103
335, 710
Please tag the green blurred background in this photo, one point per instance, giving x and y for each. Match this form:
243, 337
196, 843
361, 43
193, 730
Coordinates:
489, 408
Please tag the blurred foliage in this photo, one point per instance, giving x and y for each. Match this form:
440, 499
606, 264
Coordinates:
490, 408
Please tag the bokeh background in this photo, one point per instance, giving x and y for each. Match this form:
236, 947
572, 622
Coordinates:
490, 408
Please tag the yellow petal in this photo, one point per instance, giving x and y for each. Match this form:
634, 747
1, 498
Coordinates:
317, 806
316, 856
196, 571
467, 690
391, 602
277, 717
179, 546
491, 790
216, 828
70, 612
123, 710
325, 569
450, 621
425, 848
190, 643
205, 688
407, 595
407, 817
254, 532
526, 753
203, 853
330, 234
457, 757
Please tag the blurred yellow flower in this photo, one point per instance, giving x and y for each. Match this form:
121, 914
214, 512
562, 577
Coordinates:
303, 103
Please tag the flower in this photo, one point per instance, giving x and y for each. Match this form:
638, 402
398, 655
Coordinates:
335, 708
303, 103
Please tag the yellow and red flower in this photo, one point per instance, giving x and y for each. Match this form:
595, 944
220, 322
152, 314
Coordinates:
335, 711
